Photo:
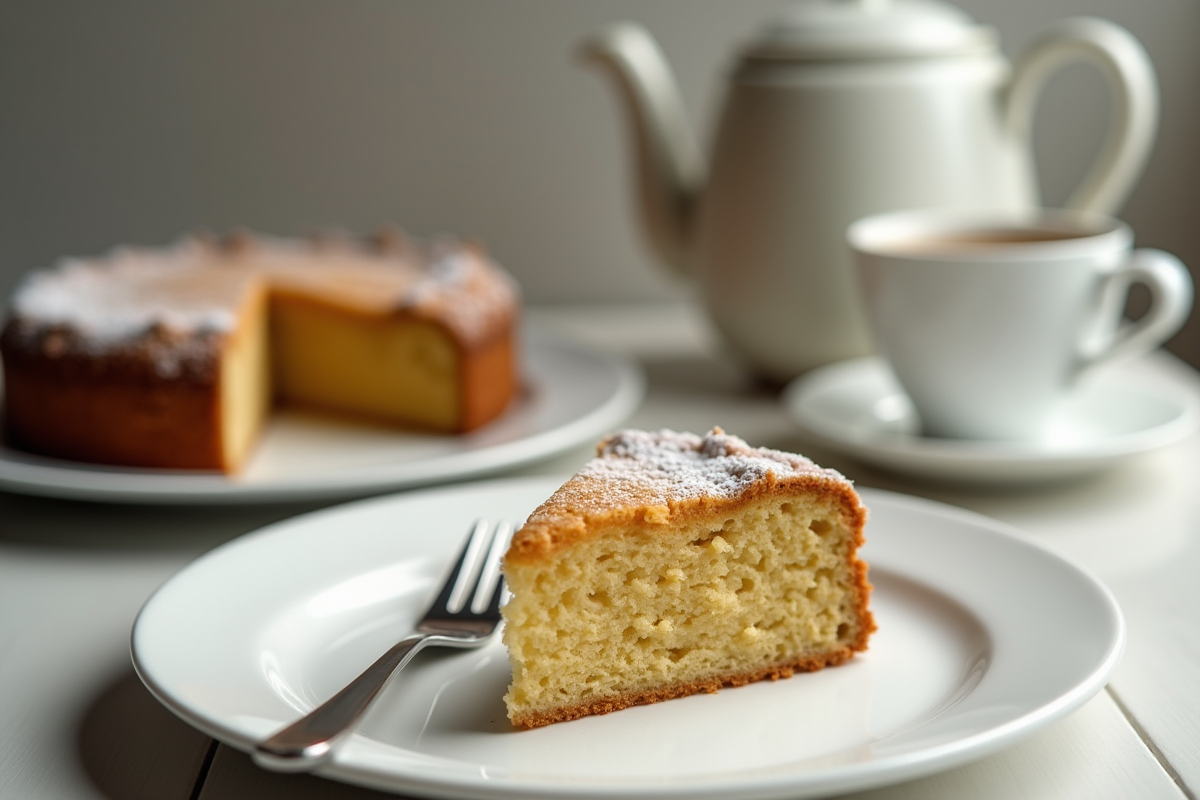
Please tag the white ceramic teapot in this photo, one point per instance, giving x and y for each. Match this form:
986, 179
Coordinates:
843, 108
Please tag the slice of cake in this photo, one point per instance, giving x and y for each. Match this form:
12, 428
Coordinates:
172, 357
673, 564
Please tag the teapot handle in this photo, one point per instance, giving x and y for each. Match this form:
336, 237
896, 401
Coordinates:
1125, 64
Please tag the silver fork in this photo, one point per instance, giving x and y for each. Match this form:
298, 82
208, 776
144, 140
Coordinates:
465, 614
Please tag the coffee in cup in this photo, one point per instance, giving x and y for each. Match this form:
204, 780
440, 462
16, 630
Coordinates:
990, 319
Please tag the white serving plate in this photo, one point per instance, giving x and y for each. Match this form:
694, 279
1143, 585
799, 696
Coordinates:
572, 395
262, 629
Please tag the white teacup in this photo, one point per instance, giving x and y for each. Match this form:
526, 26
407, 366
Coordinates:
990, 319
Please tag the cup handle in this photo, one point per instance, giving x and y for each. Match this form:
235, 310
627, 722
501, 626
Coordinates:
1131, 78
1170, 287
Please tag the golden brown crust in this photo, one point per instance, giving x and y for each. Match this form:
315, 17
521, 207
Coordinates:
488, 375
560, 522
661, 478
54, 391
147, 423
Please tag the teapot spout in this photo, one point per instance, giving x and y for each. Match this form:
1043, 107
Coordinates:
670, 169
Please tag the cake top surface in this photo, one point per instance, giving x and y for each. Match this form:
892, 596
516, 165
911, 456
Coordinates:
654, 474
131, 289
197, 285
659, 467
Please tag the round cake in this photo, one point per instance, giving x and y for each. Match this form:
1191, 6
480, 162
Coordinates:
172, 357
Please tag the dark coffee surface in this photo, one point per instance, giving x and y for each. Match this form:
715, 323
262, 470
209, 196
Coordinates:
963, 241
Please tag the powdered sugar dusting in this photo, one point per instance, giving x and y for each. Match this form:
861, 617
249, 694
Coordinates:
446, 280
464, 289
664, 467
129, 292
196, 285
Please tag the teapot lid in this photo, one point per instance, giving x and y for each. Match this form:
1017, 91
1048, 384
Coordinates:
832, 29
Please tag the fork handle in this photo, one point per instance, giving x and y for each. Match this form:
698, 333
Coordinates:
309, 742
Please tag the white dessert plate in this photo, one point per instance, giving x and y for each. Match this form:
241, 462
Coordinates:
260, 630
572, 396
858, 408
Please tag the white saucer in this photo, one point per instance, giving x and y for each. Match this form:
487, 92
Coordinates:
572, 396
857, 407
260, 630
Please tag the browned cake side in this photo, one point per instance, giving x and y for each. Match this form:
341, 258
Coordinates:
52, 405
154, 400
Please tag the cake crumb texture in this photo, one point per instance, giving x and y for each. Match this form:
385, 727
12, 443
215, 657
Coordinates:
673, 564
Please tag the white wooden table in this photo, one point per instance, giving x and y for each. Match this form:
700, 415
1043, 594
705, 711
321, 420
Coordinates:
75, 722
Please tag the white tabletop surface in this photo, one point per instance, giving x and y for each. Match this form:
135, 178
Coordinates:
75, 722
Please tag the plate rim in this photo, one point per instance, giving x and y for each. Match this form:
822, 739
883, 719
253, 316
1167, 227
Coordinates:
967, 461
846, 777
59, 478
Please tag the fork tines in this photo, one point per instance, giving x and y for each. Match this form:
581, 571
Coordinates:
477, 571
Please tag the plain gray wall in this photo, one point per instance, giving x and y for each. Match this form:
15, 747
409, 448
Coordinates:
134, 121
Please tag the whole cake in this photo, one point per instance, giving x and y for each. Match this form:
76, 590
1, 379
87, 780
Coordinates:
172, 357
673, 564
